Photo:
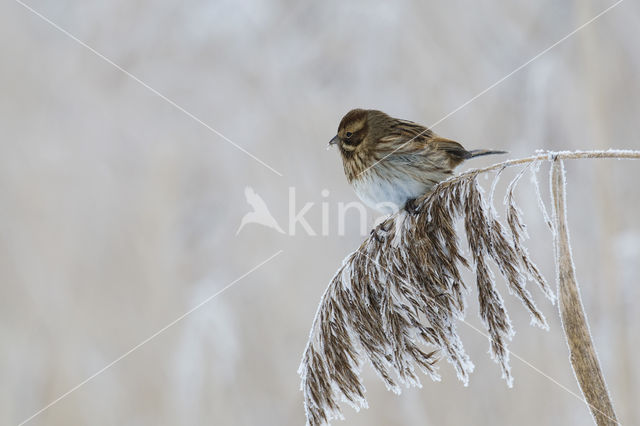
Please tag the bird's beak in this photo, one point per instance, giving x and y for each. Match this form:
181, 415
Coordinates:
334, 141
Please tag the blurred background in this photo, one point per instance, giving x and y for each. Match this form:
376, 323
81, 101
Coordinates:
119, 212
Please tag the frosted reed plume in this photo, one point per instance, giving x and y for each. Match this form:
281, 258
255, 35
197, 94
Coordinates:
402, 291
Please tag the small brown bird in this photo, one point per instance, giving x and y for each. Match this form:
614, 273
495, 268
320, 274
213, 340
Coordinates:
391, 162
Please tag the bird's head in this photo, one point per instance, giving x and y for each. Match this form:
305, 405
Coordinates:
352, 131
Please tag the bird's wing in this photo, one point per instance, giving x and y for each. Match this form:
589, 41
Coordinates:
408, 140
407, 137
453, 148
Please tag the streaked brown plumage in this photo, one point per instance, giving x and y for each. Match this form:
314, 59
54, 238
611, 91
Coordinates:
390, 162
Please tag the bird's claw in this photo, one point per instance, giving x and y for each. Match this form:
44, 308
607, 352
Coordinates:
411, 207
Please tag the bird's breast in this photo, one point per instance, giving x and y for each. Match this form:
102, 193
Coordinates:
388, 192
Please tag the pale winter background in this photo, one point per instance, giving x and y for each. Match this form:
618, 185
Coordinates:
118, 212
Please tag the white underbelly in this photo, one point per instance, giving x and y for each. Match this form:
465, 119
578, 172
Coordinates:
388, 195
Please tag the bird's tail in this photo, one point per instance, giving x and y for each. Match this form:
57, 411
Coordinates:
481, 152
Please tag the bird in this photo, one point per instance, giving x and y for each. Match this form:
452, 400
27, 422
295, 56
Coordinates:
391, 162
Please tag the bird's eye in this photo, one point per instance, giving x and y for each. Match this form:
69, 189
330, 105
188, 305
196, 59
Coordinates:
348, 135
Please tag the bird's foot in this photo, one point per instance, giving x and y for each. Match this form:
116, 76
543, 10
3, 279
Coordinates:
411, 206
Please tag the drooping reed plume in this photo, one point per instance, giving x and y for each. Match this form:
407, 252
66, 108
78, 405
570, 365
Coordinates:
394, 302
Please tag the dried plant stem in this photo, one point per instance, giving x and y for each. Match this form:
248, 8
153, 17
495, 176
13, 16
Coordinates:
547, 155
583, 354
